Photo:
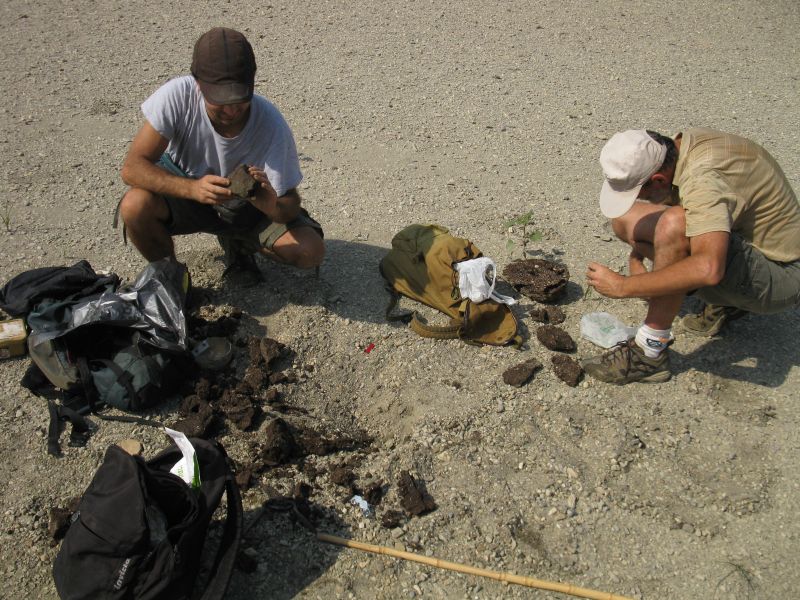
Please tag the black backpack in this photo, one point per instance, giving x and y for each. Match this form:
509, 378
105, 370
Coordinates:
139, 530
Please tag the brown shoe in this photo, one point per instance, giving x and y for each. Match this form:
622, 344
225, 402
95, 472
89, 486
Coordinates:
626, 363
710, 320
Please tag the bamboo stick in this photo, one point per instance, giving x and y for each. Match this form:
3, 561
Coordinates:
564, 588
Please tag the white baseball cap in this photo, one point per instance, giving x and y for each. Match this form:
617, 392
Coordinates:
628, 159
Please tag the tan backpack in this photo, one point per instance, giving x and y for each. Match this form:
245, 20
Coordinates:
420, 266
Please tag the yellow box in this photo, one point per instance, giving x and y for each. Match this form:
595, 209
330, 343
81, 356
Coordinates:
12, 338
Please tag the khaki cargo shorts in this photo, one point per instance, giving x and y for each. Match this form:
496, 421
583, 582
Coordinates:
753, 282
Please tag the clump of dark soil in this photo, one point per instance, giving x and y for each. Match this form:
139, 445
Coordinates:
279, 445
199, 419
567, 369
548, 314
555, 338
60, 519
372, 492
391, 519
214, 321
542, 280
522, 373
414, 498
342, 475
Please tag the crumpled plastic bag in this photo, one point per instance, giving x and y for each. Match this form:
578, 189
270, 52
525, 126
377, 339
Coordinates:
153, 304
604, 329
477, 278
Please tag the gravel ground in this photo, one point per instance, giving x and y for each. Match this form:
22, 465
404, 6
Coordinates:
465, 114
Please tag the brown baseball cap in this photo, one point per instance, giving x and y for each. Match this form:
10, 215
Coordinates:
224, 66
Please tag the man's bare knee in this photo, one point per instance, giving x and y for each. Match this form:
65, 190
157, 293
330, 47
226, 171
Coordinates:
671, 228
138, 204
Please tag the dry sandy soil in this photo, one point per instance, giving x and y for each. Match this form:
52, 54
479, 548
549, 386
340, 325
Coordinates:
465, 114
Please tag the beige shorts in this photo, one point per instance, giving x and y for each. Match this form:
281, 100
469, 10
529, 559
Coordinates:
753, 282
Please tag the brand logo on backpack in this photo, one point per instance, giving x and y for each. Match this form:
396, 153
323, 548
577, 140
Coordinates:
121, 577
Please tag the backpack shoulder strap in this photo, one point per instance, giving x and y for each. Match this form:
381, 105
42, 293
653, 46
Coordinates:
229, 544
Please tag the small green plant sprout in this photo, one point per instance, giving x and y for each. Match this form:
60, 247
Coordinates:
522, 226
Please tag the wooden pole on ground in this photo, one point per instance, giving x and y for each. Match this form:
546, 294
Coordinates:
564, 588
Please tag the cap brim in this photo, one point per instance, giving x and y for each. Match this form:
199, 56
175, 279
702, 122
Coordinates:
228, 93
615, 203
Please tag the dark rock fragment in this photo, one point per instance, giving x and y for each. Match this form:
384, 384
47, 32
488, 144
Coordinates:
539, 279
547, 314
242, 183
567, 369
280, 445
555, 338
414, 498
522, 373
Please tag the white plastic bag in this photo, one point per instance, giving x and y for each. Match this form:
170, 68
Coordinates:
474, 280
604, 329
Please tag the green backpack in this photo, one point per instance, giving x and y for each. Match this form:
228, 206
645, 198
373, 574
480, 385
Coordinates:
420, 266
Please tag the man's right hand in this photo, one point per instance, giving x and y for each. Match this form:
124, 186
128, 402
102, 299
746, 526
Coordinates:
210, 189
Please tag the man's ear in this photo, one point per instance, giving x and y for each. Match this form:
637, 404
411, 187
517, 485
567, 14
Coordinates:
659, 178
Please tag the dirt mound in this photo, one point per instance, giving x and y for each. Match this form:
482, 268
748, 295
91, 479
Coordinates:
541, 280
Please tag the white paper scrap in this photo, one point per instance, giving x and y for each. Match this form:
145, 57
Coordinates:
187, 468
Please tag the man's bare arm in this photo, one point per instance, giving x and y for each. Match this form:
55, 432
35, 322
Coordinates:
139, 170
705, 266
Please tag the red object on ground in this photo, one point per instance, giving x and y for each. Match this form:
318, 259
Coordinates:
369, 348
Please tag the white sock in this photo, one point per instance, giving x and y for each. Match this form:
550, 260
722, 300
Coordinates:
653, 341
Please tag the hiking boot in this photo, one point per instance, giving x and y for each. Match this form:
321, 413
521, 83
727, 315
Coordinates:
626, 362
711, 319
242, 270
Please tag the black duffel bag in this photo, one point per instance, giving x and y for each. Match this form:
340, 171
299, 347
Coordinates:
139, 530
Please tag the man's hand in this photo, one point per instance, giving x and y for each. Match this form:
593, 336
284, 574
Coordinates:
210, 189
605, 281
265, 189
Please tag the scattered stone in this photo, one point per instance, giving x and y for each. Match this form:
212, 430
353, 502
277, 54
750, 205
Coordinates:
555, 338
522, 373
548, 314
131, 446
414, 498
542, 280
567, 369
